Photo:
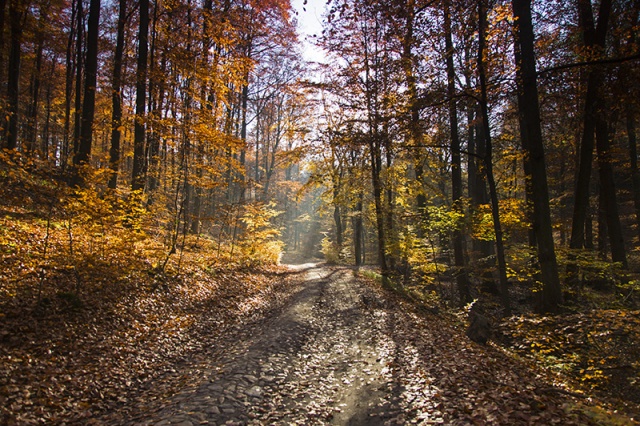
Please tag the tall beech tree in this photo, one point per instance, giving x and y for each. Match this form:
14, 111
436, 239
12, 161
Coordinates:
139, 140
17, 16
488, 159
456, 162
82, 156
116, 95
594, 37
531, 136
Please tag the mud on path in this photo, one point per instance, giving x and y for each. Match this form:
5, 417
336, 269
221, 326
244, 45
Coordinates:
341, 353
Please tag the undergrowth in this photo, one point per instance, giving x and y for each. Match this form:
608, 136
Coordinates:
102, 291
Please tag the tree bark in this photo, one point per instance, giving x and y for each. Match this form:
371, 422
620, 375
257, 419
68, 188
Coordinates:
3, 7
116, 97
89, 104
16, 15
31, 138
488, 165
376, 166
78, 83
68, 88
139, 139
531, 135
91, 74
357, 232
608, 191
633, 161
462, 279
594, 39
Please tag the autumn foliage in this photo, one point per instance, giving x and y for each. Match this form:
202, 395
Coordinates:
94, 304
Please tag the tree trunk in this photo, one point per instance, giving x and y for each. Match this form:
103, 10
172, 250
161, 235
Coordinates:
16, 15
608, 191
531, 135
633, 161
3, 7
139, 139
68, 88
79, 69
594, 38
31, 138
357, 232
116, 97
89, 103
488, 166
376, 166
462, 279
46, 132
337, 218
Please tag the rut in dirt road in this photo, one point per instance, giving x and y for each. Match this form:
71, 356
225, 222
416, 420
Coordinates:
340, 353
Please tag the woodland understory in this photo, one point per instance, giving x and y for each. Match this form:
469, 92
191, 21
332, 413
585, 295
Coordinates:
95, 321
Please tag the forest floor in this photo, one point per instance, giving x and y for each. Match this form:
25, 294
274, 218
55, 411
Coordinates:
343, 351
303, 344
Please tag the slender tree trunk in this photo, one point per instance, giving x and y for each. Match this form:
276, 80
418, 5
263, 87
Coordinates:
47, 122
3, 8
414, 109
389, 211
608, 191
357, 231
139, 138
243, 137
80, 64
531, 135
376, 166
488, 165
337, 218
68, 89
89, 103
594, 38
633, 161
116, 97
462, 279
31, 139
16, 15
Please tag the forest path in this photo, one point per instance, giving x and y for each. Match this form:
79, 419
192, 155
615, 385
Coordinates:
340, 353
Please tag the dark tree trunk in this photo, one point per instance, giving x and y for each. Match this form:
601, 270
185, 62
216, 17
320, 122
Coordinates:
79, 70
337, 218
633, 161
89, 103
488, 166
414, 108
16, 16
389, 210
608, 191
3, 7
31, 139
45, 146
243, 136
594, 37
116, 97
338, 221
462, 279
376, 166
139, 139
157, 96
68, 89
357, 232
531, 135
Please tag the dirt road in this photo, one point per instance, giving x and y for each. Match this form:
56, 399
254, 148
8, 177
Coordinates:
341, 352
